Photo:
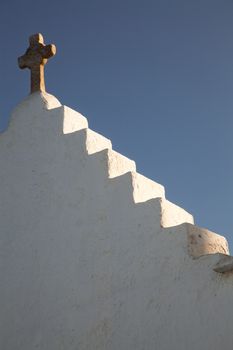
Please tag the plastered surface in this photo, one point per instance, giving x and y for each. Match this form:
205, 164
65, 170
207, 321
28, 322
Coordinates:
93, 256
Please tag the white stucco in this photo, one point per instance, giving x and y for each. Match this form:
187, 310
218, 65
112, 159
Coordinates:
93, 256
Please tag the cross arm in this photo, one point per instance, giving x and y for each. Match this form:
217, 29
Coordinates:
23, 61
48, 51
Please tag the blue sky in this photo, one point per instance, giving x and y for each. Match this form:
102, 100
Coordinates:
156, 77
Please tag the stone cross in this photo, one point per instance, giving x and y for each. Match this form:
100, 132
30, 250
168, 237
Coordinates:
35, 59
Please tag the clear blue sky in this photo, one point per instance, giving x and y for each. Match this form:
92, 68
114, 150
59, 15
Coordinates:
156, 77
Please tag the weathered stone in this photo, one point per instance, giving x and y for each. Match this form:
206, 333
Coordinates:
202, 241
225, 264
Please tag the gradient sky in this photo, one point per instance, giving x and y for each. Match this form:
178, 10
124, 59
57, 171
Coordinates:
156, 77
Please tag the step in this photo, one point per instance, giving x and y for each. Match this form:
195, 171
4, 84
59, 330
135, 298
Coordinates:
197, 242
95, 142
172, 214
133, 187
202, 241
91, 142
111, 163
119, 164
145, 189
71, 120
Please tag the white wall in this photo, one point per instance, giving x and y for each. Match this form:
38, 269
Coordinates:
92, 254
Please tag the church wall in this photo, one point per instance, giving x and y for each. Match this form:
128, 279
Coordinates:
93, 256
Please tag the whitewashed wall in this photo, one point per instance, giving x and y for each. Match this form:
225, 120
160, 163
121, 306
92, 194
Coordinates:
92, 254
